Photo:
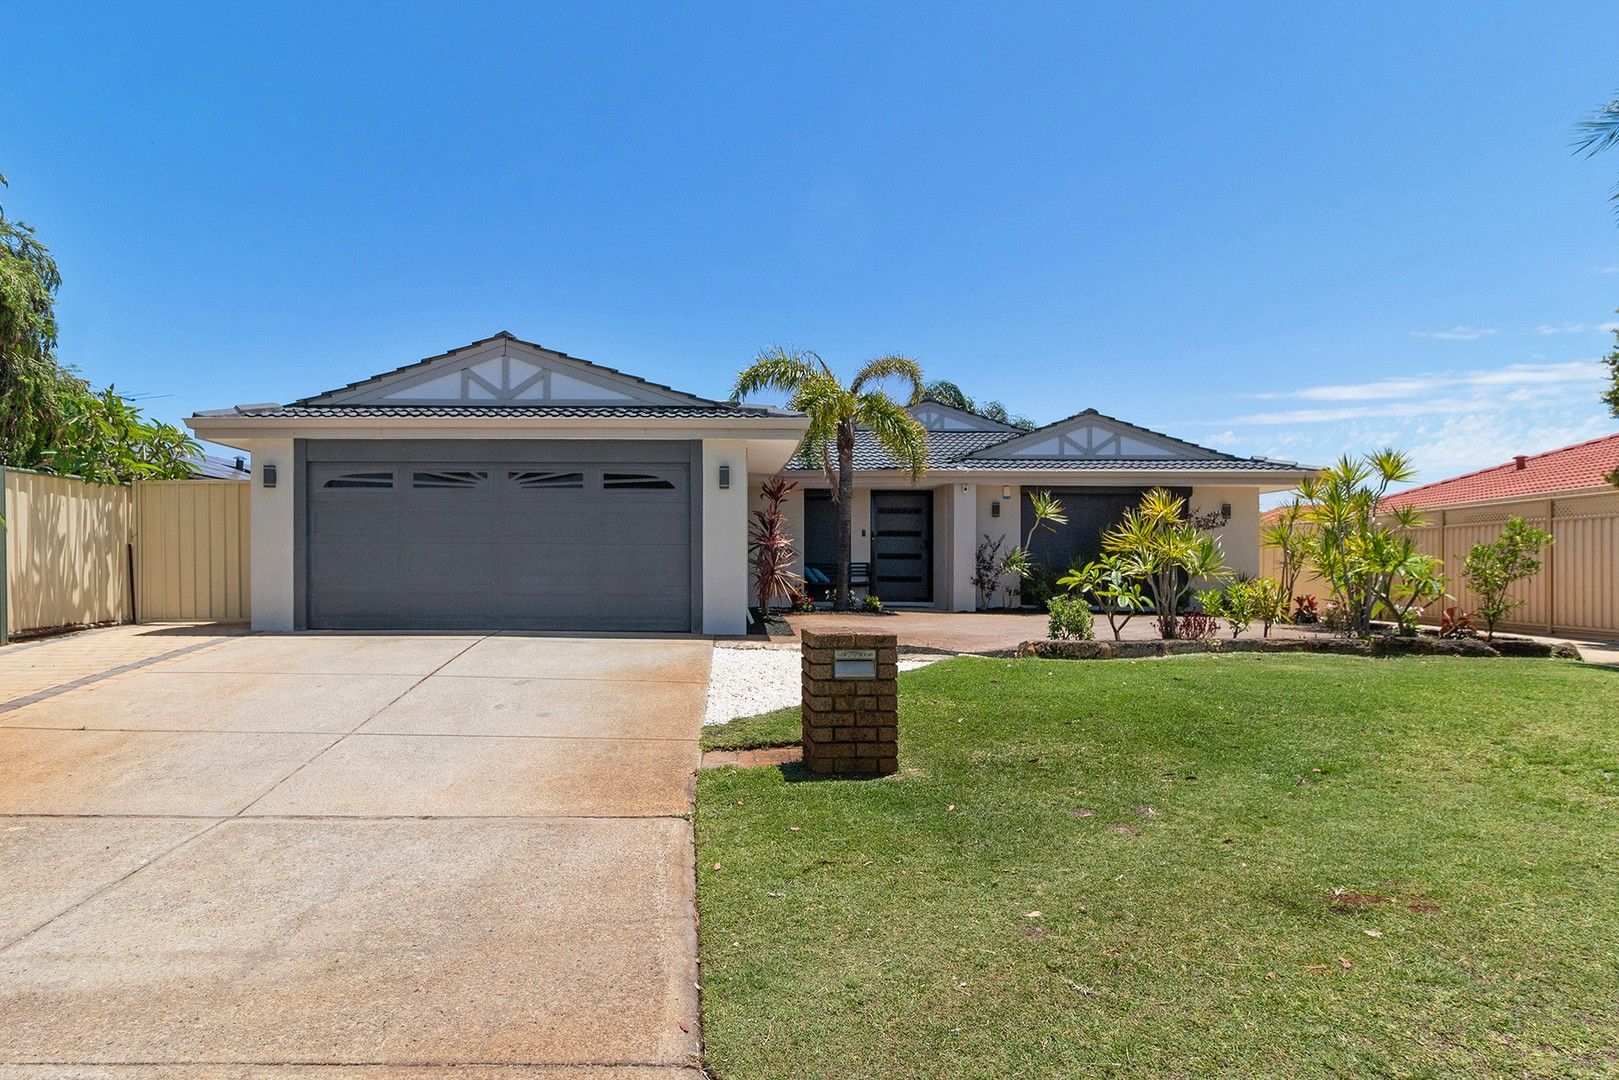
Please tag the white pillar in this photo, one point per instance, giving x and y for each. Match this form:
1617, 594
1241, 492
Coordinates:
725, 537
963, 542
270, 557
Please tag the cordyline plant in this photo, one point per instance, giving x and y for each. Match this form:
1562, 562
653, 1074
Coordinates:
770, 549
835, 412
1289, 534
1158, 544
1491, 569
1370, 562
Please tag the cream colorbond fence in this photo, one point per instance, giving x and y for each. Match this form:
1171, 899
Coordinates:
77, 554
191, 551
1577, 592
66, 552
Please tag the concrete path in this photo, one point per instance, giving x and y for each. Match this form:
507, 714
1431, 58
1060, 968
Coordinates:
367, 856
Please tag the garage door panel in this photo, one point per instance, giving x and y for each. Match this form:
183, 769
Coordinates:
565, 545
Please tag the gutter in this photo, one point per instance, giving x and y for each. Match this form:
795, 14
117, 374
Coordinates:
222, 429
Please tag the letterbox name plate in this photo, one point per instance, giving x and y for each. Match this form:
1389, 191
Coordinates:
854, 663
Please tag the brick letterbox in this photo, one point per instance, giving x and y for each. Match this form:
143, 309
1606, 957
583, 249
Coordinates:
851, 704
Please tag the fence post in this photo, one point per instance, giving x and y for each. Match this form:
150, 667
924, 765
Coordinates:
5, 598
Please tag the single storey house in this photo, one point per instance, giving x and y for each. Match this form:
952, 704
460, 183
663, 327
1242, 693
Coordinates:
506, 485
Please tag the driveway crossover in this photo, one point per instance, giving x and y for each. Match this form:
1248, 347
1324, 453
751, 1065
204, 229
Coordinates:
374, 856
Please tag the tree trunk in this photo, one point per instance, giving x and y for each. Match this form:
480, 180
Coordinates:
840, 597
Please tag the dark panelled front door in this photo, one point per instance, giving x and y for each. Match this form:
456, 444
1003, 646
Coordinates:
902, 545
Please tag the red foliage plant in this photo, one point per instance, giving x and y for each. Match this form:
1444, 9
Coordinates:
770, 549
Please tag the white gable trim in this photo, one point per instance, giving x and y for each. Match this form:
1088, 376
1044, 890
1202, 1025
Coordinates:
506, 371
1091, 436
934, 416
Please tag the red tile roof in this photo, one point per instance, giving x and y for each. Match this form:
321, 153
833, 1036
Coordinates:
1571, 468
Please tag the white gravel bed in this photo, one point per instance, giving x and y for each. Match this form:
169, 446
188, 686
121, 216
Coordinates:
748, 680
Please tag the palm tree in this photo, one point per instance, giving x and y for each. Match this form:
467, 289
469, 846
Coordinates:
834, 412
1598, 132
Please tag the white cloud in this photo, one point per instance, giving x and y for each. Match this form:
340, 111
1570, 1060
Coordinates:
1614, 269
1576, 328
1455, 333
1449, 422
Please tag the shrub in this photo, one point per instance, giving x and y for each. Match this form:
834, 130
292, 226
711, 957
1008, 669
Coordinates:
1039, 586
1456, 623
1305, 611
1491, 569
770, 549
1070, 618
871, 603
1196, 626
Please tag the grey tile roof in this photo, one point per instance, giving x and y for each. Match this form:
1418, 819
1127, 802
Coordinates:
627, 412
1103, 464
962, 450
944, 449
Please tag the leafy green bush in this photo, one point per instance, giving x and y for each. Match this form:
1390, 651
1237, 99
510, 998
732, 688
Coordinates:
1070, 618
1491, 569
871, 603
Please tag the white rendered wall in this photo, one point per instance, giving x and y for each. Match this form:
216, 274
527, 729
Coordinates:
961, 522
996, 527
1239, 538
272, 529
725, 537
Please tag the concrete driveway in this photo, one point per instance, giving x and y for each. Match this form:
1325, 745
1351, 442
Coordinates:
288, 856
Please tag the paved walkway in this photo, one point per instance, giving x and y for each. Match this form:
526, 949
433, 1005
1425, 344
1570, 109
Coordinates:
368, 856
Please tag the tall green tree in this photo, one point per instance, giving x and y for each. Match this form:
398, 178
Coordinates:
30, 377
948, 393
835, 411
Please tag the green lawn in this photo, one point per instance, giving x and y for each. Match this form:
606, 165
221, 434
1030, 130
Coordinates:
1129, 868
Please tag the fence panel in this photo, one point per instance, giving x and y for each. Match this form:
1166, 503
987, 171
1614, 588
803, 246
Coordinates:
191, 545
67, 552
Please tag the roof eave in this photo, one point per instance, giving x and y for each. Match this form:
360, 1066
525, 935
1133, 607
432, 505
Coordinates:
224, 428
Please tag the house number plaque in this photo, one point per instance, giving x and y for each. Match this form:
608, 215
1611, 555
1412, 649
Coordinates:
854, 663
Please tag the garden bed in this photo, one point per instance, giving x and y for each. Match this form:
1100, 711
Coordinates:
1526, 648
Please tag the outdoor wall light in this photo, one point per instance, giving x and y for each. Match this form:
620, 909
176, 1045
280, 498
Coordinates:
725, 477
1006, 491
267, 477
1225, 511
994, 510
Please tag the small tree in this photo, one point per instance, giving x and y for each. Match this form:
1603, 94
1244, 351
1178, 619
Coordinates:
1113, 585
1159, 545
770, 549
1493, 568
1246, 602
1362, 558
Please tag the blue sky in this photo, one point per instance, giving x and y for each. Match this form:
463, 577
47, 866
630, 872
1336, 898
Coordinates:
1284, 229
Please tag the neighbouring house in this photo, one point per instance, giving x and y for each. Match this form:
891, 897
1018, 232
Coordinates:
1562, 491
214, 467
506, 485
915, 542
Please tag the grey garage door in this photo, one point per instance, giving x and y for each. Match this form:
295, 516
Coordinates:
548, 545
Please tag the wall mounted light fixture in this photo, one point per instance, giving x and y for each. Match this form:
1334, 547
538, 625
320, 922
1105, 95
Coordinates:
725, 477
267, 476
1006, 491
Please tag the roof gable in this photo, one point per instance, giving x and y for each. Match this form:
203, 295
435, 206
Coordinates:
504, 371
1092, 436
937, 416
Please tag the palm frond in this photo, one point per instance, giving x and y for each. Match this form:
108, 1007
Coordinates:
894, 428
1599, 131
903, 368
778, 368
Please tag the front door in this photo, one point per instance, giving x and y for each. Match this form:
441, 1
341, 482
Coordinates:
902, 546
